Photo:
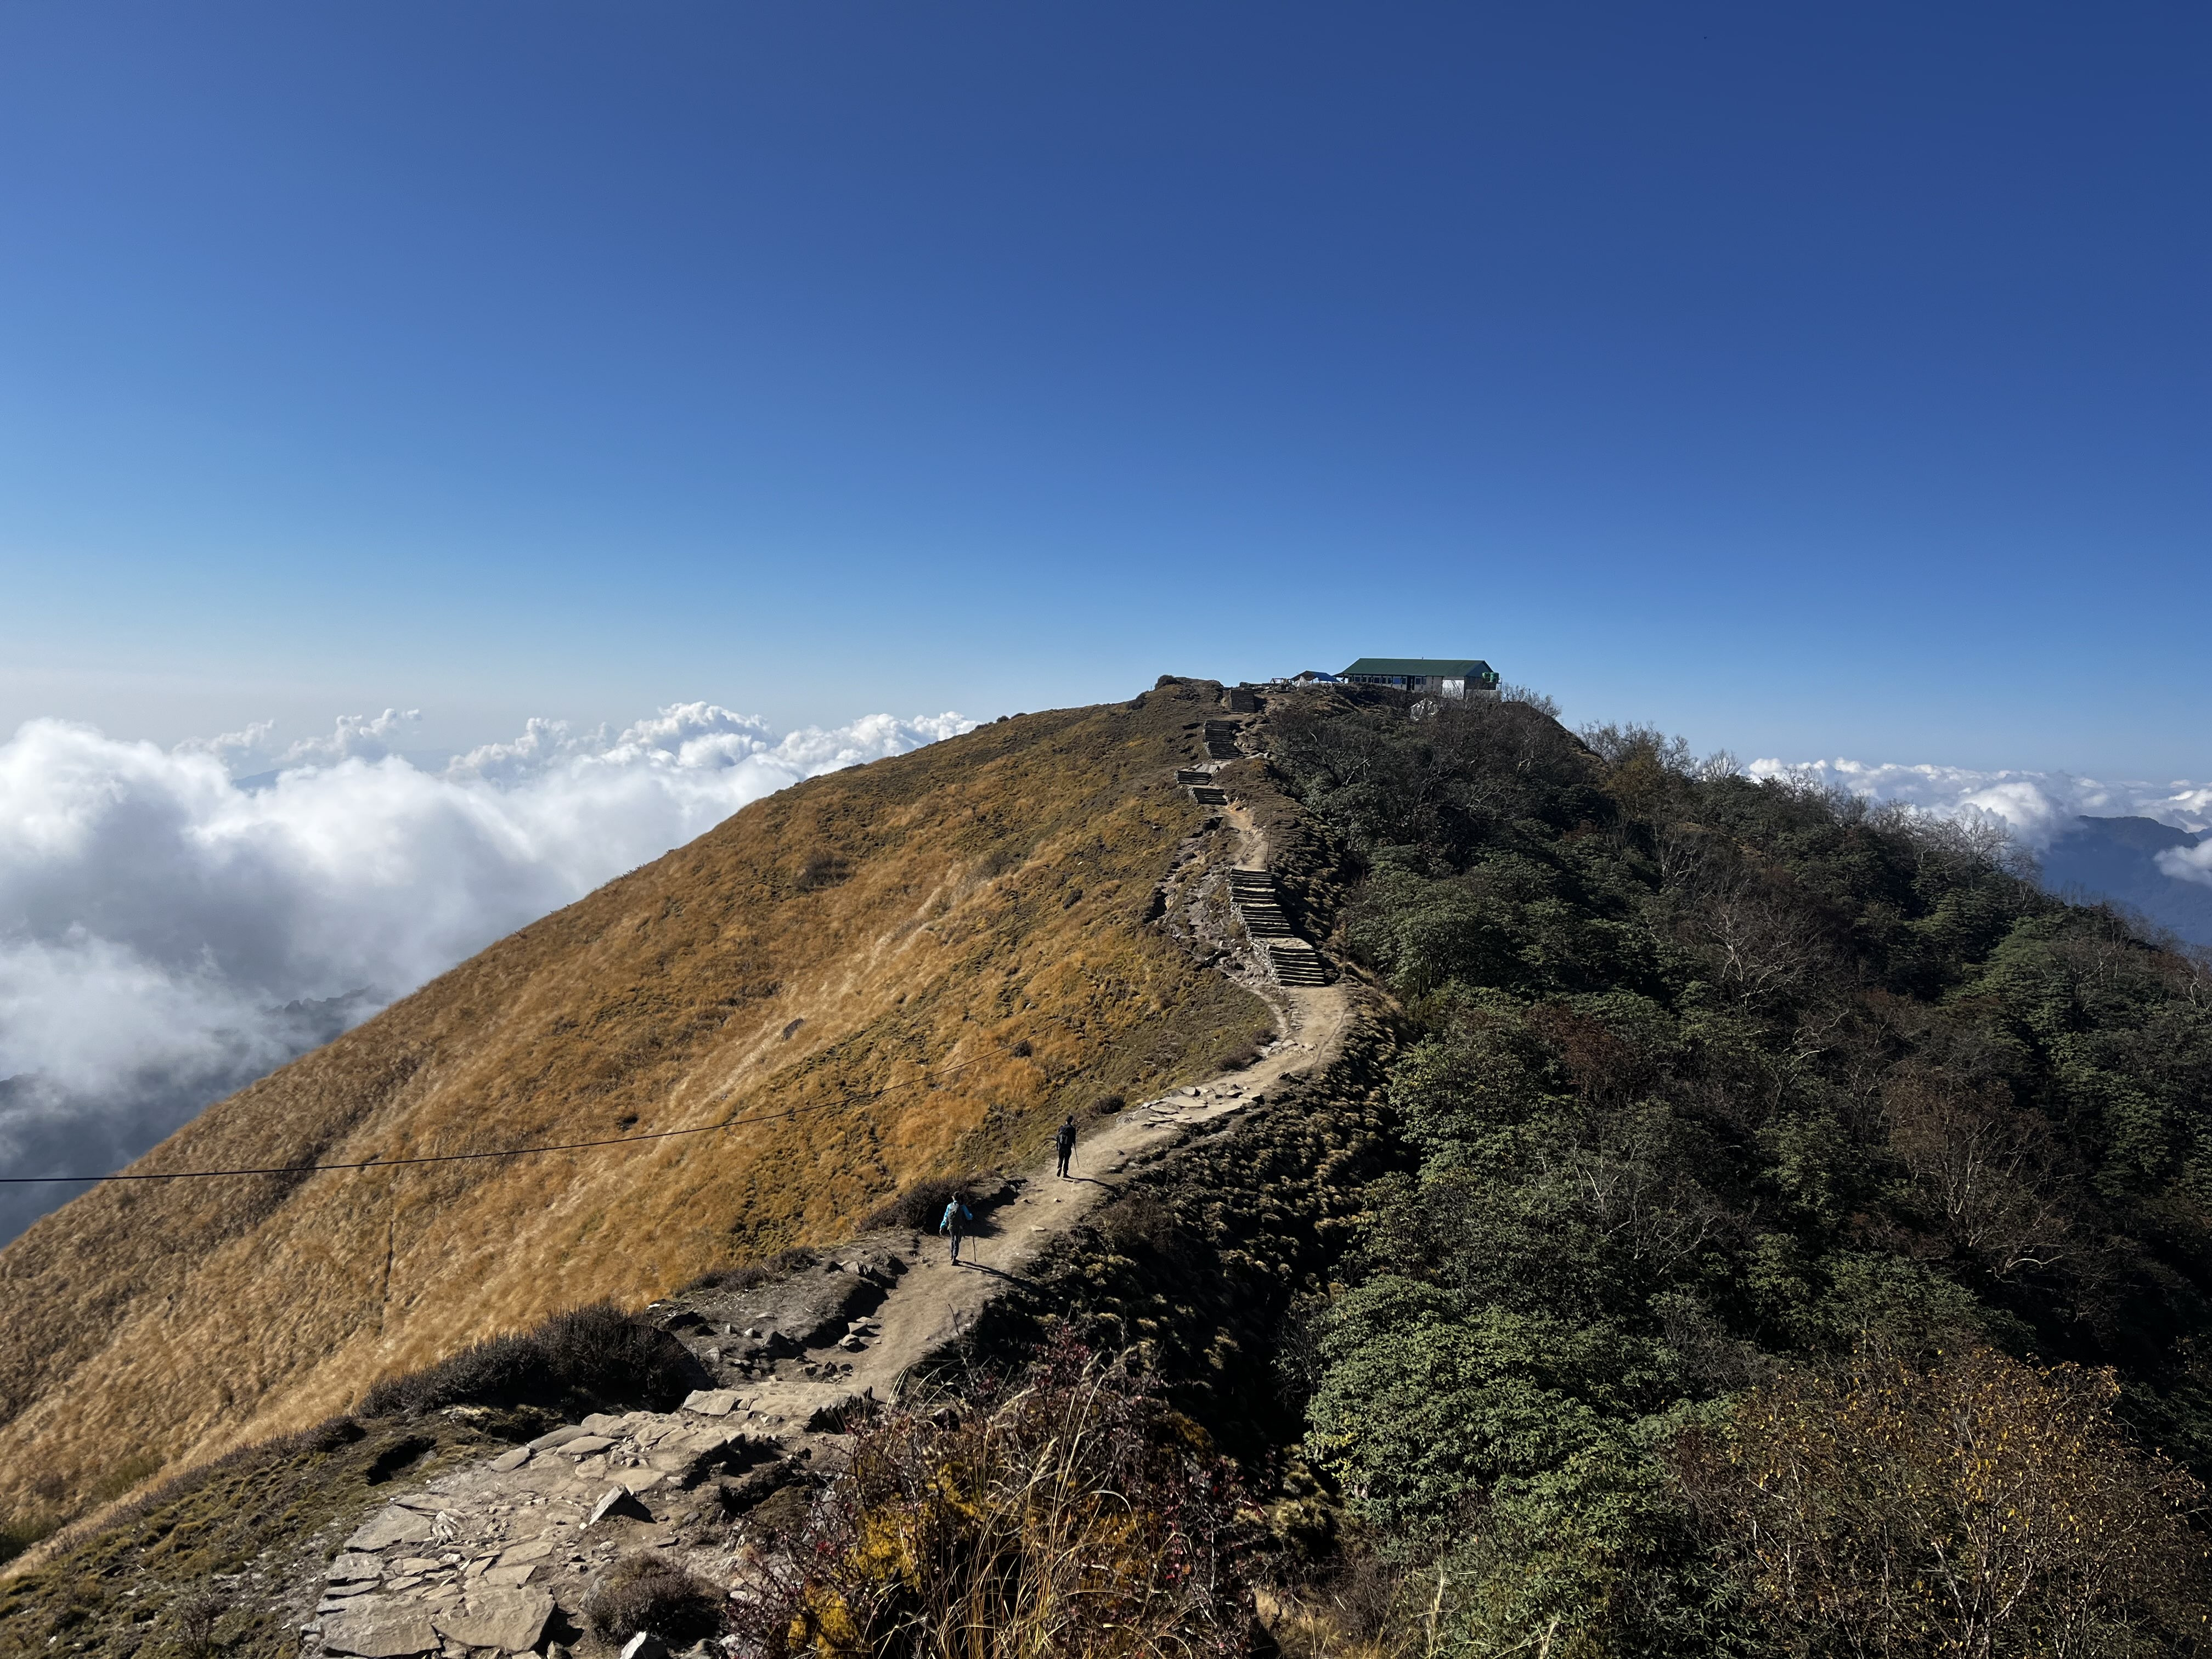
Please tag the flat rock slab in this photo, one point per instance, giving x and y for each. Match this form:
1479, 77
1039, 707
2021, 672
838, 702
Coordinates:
354, 1566
510, 1619
393, 1526
513, 1460
381, 1631
711, 1402
584, 1445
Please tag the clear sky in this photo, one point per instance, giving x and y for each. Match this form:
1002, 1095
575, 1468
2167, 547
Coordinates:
1812, 381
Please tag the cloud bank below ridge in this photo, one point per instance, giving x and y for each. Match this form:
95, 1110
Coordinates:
2040, 809
175, 923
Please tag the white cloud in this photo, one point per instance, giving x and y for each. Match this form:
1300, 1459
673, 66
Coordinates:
2188, 863
167, 934
2036, 806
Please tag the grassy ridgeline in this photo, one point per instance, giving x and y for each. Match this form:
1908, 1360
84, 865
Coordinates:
903, 969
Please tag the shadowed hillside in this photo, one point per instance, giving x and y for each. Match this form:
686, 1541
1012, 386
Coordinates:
925, 959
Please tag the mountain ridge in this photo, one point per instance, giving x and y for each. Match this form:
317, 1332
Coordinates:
836, 949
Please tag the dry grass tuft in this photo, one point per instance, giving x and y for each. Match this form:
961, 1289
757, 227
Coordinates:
1074, 1515
781, 1265
822, 869
587, 1359
648, 1592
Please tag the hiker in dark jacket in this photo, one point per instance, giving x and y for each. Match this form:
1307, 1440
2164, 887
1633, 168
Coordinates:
1067, 1143
956, 1213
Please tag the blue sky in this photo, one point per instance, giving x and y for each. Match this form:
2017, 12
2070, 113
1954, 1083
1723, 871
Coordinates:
1813, 381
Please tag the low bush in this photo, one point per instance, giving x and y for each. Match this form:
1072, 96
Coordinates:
821, 869
648, 1592
1073, 1514
193, 1619
589, 1358
779, 1266
1237, 1058
19, 1531
1140, 1221
1107, 1105
920, 1206
1984, 1505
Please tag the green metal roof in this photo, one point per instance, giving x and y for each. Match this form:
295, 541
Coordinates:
1456, 668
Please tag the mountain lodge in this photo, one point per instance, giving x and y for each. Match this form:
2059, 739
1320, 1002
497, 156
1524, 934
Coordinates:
1457, 677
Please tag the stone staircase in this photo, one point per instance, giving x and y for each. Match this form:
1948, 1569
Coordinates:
1290, 959
1221, 739
1203, 789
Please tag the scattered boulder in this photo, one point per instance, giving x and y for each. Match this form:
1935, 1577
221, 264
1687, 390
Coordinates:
838, 1419
617, 1501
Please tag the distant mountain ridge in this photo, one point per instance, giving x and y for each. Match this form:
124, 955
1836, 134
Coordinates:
2116, 858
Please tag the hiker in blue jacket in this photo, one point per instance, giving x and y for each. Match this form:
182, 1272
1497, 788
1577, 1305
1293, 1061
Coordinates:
955, 1213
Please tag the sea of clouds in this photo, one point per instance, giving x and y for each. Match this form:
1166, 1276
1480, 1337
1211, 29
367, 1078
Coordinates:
2036, 807
177, 922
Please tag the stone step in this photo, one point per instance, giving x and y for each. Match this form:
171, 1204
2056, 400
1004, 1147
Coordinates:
1208, 795
1193, 775
1297, 963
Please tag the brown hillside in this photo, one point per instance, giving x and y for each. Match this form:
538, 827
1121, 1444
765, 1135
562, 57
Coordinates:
873, 947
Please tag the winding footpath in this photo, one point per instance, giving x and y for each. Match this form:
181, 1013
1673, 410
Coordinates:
499, 1556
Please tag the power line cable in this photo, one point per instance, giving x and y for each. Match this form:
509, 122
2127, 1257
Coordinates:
382, 1162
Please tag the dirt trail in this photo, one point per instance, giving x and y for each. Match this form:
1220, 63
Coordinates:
518, 1538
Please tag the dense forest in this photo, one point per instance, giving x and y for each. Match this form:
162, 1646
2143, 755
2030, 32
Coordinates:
1808, 1239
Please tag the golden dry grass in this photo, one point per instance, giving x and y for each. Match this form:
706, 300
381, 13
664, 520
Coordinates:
993, 890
